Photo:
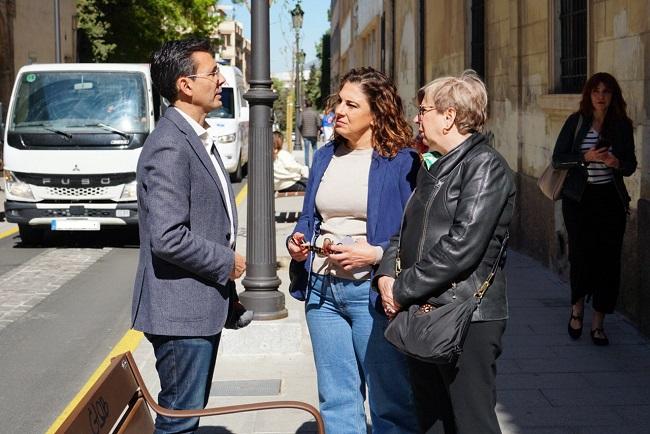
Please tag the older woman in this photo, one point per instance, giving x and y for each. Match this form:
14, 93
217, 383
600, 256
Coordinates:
359, 184
453, 229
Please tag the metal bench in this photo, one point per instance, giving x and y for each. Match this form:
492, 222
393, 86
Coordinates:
120, 403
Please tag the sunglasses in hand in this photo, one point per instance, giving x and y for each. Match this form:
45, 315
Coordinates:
325, 250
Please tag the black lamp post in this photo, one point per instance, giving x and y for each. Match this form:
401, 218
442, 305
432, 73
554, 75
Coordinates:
261, 281
296, 20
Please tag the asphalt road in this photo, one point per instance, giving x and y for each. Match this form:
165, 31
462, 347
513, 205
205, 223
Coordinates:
48, 352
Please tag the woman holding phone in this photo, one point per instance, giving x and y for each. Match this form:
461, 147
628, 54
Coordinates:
596, 145
359, 184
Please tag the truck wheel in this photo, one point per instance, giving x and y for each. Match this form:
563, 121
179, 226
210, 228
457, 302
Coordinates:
238, 175
31, 235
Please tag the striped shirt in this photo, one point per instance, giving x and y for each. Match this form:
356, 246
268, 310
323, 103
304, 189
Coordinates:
598, 173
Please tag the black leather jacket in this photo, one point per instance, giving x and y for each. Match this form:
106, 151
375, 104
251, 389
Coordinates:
452, 231
567, 155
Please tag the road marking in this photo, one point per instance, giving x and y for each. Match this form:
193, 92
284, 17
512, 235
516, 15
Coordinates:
8, 233
25, 286
128, 342
241, 195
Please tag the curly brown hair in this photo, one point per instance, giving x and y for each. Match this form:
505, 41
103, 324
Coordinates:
391, 131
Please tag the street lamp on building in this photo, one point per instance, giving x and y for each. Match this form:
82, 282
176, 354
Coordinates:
296, 20
261, 281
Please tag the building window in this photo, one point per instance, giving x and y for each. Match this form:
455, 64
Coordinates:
572, 68
477, 45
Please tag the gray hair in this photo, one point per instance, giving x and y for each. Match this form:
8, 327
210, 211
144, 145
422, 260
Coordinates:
466, 94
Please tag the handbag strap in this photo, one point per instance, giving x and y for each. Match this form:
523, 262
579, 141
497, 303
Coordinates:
575, 133
495, 267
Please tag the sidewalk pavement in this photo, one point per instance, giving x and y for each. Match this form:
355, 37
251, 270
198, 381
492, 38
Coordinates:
547, 383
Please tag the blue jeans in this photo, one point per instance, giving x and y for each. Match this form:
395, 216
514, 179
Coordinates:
309, 142
185, 366
350, 352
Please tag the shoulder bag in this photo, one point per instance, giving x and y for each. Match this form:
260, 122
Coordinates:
436, 334
552, 180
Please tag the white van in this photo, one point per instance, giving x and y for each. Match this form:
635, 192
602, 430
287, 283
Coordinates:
230, 123
71, 145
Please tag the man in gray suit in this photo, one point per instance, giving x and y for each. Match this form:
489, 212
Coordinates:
188, 225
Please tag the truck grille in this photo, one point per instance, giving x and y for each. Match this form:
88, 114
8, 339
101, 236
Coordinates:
83, 192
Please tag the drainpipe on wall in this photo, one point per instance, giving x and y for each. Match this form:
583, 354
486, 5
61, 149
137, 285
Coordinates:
57, 32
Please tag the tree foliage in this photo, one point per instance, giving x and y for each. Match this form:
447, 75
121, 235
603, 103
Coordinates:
130, 30
325, 67
312, 87
280, 104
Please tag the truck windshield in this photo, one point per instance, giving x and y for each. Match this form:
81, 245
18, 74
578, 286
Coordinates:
227, 110
80, 102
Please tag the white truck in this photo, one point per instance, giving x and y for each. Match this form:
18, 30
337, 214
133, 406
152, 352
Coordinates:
71, 144
230, 123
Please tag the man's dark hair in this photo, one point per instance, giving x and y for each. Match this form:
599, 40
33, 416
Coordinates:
174, 60
308, 103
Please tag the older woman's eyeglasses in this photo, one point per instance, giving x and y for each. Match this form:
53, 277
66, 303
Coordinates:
423, 109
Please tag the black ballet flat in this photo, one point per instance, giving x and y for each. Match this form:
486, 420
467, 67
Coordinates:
575, 333
598, 340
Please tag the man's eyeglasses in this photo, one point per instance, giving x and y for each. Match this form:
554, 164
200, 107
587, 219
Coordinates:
207, 75
422, 110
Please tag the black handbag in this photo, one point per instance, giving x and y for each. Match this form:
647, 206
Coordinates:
436, 334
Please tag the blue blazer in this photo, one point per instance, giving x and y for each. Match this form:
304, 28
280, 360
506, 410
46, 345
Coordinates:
182, 284
390, 183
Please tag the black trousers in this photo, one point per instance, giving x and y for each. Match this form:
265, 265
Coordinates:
460, 398
595, 226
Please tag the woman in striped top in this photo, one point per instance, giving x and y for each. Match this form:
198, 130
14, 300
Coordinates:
594, 198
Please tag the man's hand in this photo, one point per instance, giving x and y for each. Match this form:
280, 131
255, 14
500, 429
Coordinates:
297, 247
391, 307
239, 267
356, 255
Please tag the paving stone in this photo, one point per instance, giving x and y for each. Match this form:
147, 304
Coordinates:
25, 286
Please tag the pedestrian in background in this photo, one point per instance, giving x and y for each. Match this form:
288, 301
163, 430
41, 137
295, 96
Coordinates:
327, 122
309, 129
288, 174
357, 189
188, 223
594, 198
453, 229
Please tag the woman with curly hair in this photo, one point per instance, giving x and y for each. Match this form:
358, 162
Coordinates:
359, 185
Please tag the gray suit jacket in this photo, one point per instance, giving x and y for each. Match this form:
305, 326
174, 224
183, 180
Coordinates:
182, 284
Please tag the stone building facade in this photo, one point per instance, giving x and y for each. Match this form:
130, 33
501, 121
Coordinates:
234, 48
534, 56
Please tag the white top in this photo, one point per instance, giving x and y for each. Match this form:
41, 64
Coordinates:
207, 138
597, 173
286, 170
342, 202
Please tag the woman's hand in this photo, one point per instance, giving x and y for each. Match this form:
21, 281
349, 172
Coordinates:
610, 160
596, 155
391, 307
297, 247
356, 255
